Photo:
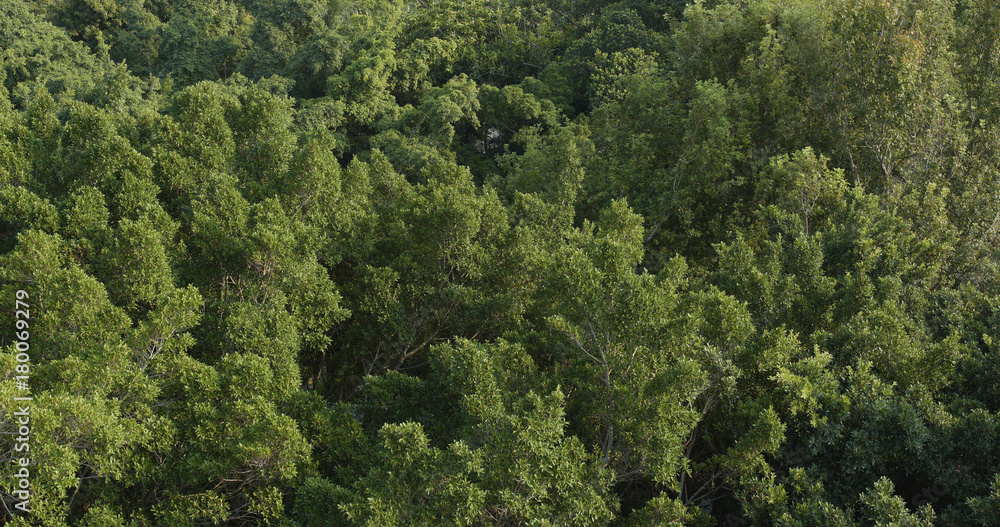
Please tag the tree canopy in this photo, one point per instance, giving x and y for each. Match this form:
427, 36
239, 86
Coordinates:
502, 262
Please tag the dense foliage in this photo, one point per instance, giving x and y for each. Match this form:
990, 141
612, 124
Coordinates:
503, 262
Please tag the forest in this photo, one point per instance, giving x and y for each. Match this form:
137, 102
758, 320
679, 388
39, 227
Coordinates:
319, 263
